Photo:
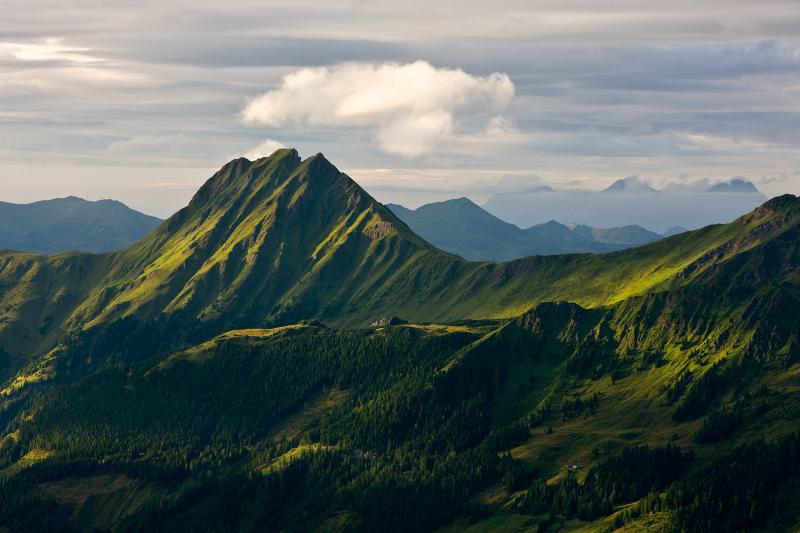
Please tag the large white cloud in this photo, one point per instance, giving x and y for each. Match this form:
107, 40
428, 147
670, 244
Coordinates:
412, 107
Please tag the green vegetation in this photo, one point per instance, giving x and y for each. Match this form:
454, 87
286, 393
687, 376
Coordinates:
620, 479
279, 240
219, 375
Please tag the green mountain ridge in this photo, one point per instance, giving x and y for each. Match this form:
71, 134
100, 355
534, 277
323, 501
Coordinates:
279, 240
186, 382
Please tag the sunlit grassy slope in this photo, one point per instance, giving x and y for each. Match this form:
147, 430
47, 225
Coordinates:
278, 240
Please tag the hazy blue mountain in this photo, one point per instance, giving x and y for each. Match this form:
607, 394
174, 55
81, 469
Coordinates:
674, 230
630, 201
631, 235
738, 185
66, 224
631, 184
461, 227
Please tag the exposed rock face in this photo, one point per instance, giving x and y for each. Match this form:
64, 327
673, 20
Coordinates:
376, 231
388, 321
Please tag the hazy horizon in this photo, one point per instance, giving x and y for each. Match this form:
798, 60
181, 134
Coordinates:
485, 193
416, 102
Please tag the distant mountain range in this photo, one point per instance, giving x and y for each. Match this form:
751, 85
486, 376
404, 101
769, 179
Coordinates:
628, 213
71, 224
631, 201
461, 227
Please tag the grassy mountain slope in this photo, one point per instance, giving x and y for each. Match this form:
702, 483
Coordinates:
38, 294
71, 224
416, 426
261, 242
278, 240
593, 280
706, 366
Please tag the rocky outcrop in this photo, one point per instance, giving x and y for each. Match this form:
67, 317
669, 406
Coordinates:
388, 321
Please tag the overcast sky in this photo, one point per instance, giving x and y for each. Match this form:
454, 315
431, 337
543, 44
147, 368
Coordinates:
418, 101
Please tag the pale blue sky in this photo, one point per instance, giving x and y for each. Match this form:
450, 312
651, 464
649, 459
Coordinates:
418, 101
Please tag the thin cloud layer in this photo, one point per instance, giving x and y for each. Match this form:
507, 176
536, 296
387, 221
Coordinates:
51, 63
411, 107
50, 49
264, 149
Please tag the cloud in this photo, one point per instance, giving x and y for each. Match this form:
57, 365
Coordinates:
411, 107
418, 20
151, 144
50, 64
511, 183
685, 184
480, 184
170, 149
721, 143
49, 49
264, 149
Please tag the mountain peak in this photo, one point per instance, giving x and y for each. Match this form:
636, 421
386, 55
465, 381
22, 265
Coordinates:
240, 174
462, 201
552, 224
631, 184
674, 230
281, 173
318, 165
736, 184
453, 207
280, 152
257, 238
